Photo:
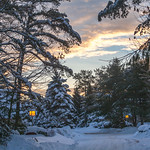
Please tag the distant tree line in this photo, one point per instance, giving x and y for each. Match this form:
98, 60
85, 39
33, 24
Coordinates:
102, 98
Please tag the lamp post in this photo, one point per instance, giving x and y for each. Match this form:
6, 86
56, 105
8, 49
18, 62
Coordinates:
32, 114
126, 116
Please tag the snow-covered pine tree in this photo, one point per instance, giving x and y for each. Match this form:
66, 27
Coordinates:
28, 30
5, 107
59, 102
4, 131
43, 115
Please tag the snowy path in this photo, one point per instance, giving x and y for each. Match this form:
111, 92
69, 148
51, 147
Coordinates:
111, 141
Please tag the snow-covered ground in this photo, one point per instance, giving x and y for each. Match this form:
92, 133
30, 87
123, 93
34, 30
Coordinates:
112, 139
89, 138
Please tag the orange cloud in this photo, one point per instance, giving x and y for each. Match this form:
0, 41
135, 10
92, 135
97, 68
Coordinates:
96, 45
97, 36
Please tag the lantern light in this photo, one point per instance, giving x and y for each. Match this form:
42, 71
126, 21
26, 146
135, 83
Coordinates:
126, 116
32, 113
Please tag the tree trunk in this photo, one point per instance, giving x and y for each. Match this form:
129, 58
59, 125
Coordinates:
19, 85
10, 109
134, 120
142, 120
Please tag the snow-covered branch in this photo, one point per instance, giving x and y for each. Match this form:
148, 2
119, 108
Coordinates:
113, 10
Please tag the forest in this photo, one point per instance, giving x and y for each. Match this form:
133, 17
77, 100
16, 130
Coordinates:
116, 95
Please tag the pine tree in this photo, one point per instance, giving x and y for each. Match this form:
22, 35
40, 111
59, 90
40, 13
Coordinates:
137, 92
28, 30
5, 131
113, 86
43, 112
5, 108
89, 109
99, 78
59, 102
78, 104
84, 81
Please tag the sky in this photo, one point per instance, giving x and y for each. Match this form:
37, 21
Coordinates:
100, 40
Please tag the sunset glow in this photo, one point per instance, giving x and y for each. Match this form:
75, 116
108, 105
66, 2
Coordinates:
100, 40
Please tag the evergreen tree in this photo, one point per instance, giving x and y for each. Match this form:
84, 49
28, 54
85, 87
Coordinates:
89, 103
28, 30
5, 108
84, 81
137, 92
78, 104
100, 76
113, 89
59, 102
37, 105
5, 131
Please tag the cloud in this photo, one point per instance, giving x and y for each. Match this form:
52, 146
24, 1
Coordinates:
97, 36
86, 0
97, 45
81, 20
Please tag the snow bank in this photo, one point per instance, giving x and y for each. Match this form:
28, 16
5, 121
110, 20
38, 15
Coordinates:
44, 139
40, 142
143, 131
144, 128
65, 131
57, 138
85, 130
92, 130
37, 130
2, 147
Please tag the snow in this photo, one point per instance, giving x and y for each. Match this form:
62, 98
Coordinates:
35, 129
26, 142
144, 128
83, 139
143, 131
110, 139
57, 138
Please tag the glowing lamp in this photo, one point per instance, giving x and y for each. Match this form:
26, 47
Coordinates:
126, 116
32, 113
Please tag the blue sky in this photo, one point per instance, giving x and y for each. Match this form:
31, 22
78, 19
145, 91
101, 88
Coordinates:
100, 40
